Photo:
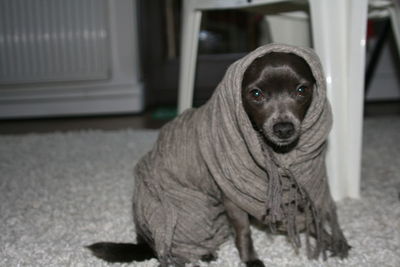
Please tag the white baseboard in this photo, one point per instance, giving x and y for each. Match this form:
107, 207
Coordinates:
75, 101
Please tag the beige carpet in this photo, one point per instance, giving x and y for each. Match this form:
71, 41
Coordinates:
60, 192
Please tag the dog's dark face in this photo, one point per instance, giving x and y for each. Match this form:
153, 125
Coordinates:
277, 91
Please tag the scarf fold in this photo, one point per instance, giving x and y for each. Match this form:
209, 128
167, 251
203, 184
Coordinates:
214, 150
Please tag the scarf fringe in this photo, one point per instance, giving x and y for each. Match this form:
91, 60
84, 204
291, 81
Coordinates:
277, 212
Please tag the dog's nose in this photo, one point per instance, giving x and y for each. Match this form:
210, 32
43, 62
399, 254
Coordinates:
283, 130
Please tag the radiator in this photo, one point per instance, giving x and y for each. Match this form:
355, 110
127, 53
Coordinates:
54, 40
69, 58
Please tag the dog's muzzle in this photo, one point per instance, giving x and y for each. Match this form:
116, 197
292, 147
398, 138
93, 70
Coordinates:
283, 130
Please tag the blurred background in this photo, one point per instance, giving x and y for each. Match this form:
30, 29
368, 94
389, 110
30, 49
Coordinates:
80, 64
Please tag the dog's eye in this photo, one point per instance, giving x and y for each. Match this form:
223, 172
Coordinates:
301, 90
257, 94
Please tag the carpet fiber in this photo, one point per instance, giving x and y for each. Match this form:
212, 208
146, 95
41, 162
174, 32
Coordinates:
62, 191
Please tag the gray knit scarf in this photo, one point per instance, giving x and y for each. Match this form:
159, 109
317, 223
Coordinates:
214, 150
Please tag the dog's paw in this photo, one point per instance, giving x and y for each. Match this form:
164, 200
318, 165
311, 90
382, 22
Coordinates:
340, 248
254, 263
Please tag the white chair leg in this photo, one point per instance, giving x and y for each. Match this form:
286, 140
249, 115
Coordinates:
395, 19
329, 43
189, 44
357, 23
331, 23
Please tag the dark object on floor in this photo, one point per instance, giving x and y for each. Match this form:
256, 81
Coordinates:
164, 113
122, 252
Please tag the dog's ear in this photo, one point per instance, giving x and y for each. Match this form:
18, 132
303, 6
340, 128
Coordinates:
253, 70
301, 66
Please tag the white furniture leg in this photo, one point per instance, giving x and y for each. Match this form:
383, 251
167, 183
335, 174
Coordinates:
339, 39
189, 45
394, 12
357, 21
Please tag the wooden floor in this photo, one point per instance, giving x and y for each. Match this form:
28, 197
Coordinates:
146, 120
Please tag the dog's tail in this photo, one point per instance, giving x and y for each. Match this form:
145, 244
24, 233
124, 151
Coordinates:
122, 252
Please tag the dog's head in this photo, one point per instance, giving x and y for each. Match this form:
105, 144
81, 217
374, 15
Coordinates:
277, 90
